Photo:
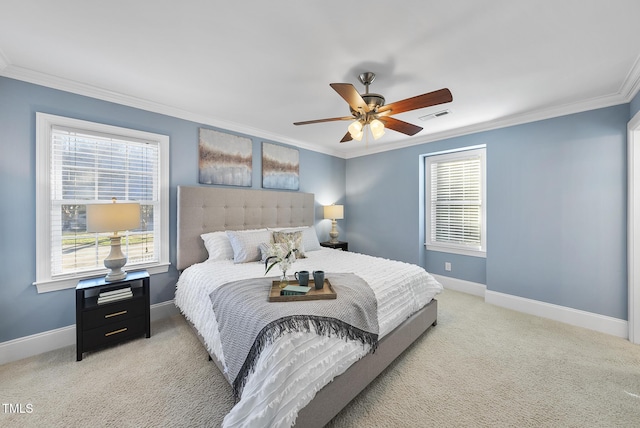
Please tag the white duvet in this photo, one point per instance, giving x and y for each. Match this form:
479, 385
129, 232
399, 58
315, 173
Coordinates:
290, 371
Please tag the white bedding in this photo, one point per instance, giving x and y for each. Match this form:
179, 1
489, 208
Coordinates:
290, 372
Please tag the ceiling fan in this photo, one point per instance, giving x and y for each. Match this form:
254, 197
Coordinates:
370, 109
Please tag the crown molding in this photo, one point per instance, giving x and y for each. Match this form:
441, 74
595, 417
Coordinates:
83, 89
628, 89
631, 84
535, 116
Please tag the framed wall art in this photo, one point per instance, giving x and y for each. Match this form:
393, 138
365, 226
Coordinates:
280, 167
224, 158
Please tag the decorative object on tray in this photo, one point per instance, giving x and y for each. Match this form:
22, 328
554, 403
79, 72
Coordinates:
294, 290
282, 254
318, 278
325, 292
302, 277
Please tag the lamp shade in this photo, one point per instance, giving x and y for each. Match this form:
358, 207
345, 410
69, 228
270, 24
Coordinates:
355, 128
113, 217
334, 212
377, 128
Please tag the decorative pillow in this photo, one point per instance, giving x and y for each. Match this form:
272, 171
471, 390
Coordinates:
310, 240
245, 244
217, 245
265, 250
296, 237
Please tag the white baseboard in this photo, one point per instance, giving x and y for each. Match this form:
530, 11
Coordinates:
24, 347
163, 310
578, 318
456, 284
603, 324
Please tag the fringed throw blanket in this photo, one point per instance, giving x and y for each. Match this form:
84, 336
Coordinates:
248, 322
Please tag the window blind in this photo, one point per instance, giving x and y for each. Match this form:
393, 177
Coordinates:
455, 196
90, 167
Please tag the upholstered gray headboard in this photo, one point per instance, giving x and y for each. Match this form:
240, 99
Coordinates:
209, 209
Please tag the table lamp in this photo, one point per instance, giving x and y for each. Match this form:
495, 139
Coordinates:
334, 212
113, 217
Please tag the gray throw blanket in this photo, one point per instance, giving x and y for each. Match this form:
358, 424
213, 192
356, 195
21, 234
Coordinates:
248, 322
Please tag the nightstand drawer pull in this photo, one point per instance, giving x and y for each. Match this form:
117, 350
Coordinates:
115, 314
122, 330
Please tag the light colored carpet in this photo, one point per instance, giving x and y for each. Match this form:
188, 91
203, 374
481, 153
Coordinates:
481, 366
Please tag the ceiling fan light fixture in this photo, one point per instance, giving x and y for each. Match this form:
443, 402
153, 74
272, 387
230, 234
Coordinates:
377, 128
355, 128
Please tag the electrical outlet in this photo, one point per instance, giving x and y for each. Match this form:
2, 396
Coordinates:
447, 266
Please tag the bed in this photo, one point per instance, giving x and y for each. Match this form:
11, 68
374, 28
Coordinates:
301, 378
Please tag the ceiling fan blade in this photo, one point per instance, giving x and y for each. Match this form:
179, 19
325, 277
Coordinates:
347, 137
351, 96
400, 125
440, 96
331, 119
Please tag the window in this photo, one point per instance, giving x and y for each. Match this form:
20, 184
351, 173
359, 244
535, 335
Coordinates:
455, 193
81, 162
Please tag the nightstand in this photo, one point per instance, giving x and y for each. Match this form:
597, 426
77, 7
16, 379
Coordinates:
340, 245
103, 321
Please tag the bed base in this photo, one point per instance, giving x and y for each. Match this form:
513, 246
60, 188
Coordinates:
331, 399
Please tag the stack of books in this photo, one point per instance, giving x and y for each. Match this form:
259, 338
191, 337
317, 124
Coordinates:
294, 290
112, 296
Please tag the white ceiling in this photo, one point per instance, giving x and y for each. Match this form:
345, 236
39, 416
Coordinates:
256, 67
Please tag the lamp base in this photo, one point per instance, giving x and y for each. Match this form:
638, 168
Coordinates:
115, 261
333, 234
115, 276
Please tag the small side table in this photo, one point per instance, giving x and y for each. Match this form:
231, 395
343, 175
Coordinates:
340, 245
107, 323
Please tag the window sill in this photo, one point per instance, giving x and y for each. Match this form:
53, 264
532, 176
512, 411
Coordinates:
66, 283
461, 251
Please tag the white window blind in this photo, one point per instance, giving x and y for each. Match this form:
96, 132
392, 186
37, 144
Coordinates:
455, 208
89, 167
86, 163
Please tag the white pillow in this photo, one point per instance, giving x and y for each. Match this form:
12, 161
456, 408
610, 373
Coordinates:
245, 244
309, 236
217, 245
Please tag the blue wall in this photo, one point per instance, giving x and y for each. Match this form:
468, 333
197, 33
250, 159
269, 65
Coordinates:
556, 204
23, 311
556, 210
385, 193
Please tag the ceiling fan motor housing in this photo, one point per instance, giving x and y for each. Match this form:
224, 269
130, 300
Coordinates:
374, 101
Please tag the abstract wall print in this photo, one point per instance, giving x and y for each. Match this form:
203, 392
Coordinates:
224, 158
280, 167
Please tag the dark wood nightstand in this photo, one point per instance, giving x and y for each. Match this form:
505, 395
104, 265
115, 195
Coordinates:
340, 245
110, 322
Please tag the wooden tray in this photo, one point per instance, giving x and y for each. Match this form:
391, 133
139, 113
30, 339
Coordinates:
326, 292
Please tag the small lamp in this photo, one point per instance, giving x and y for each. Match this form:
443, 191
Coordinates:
113, 217
334, 212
